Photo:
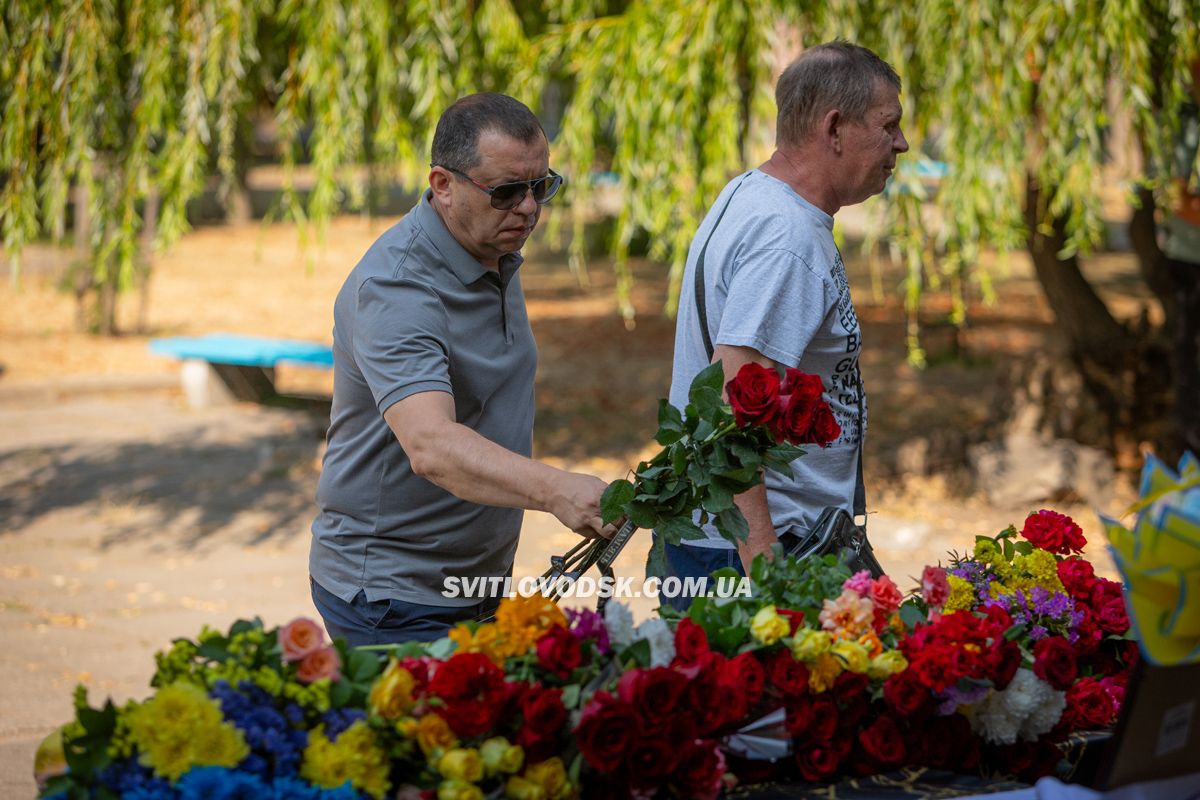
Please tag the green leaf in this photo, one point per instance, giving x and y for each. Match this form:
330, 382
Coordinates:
244, 625
669, 418
656, 558
215, 650
1024, 548
911, 614
1008, 550
711, 378
639, 652
340, 694
677, 529
616, 497
570, 695
642, 515
363, 666
699, 474
717, 499
732, 525
442, 649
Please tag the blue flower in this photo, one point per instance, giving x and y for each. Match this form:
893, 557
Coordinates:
339, 719
220, 783
275, 741
128, 778
292, 788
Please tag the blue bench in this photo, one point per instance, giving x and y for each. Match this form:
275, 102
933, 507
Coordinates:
244, 365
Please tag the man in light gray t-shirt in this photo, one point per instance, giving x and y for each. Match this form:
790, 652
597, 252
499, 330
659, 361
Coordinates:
775, 288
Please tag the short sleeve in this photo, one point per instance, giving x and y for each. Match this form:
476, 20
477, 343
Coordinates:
401, 341
775, 303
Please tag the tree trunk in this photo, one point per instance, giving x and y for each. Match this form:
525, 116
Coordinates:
1186, 340
1089, 326
145, 260
1143, 235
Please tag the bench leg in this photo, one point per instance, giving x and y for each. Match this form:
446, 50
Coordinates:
207, 384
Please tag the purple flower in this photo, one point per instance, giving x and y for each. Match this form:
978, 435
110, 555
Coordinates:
954, 697
587, 624
1038, 632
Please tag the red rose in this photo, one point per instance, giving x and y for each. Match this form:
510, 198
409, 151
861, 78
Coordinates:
799, 715
905, 693
1089, 705
852, 714
700, 771
474, 691
885, 595
605, 731
883, 741
746, 675
850, 686
558, 652
754, 395
691, 642
1007, 660
824, 428
650, 760
1054, 662
787, 675
951, 744
1078, 577
823, 721
802, 384
795, 618
654, 692
1104, 592
795, 420
817, 763
1052, 531
1112, 617
543, 711
1088, 635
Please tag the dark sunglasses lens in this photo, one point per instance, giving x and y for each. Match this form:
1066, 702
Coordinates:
509, 195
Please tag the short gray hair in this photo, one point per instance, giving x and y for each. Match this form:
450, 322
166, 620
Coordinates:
836, 74
456, 139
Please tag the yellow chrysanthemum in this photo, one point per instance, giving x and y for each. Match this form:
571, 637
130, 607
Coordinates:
180, 728
987, 552
823, 671
486, 639
434, 735
354, 757
521, 621
392, 695
962, 594
769, 626
1042, 568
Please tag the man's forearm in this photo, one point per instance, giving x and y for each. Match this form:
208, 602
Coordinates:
753, 505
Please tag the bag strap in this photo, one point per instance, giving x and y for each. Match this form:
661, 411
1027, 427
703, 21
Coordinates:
860, 487
699, 283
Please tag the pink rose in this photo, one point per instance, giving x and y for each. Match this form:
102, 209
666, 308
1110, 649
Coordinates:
859, 582
323, 663
934, 586
299, 638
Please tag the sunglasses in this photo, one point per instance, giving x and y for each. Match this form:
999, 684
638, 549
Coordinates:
508, 196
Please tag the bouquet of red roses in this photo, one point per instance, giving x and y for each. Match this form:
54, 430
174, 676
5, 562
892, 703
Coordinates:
715, 450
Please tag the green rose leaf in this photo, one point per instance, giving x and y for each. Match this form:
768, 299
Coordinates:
732, 525
677, 529
616, 497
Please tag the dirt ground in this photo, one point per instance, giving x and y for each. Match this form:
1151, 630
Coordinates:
128, 519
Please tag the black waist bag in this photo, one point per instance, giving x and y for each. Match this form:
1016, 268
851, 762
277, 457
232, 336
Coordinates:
835, 533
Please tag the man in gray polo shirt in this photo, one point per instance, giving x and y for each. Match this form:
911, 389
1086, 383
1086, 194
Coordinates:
775, 287
427, 470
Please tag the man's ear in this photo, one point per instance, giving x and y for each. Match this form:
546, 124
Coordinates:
439, 182
830, 129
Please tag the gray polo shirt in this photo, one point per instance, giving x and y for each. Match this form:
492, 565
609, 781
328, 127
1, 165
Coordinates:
419, 314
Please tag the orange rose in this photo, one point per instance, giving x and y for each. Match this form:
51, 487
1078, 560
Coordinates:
323, 663
299, 638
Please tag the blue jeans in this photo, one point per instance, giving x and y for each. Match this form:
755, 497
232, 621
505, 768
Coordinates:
688, 561
363, 622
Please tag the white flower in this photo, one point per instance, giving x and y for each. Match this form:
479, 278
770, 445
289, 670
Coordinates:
1028, 708
661, 638
618, 619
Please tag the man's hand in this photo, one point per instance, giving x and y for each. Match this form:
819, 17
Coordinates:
575, 501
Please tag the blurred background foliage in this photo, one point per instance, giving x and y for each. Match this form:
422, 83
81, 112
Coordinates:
114, 114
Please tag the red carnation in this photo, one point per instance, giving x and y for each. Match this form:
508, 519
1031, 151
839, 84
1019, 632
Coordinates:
1054, 662
691, 642
1078, 577
1055, 532
754, 395
558, 652
605, 731
474, 692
